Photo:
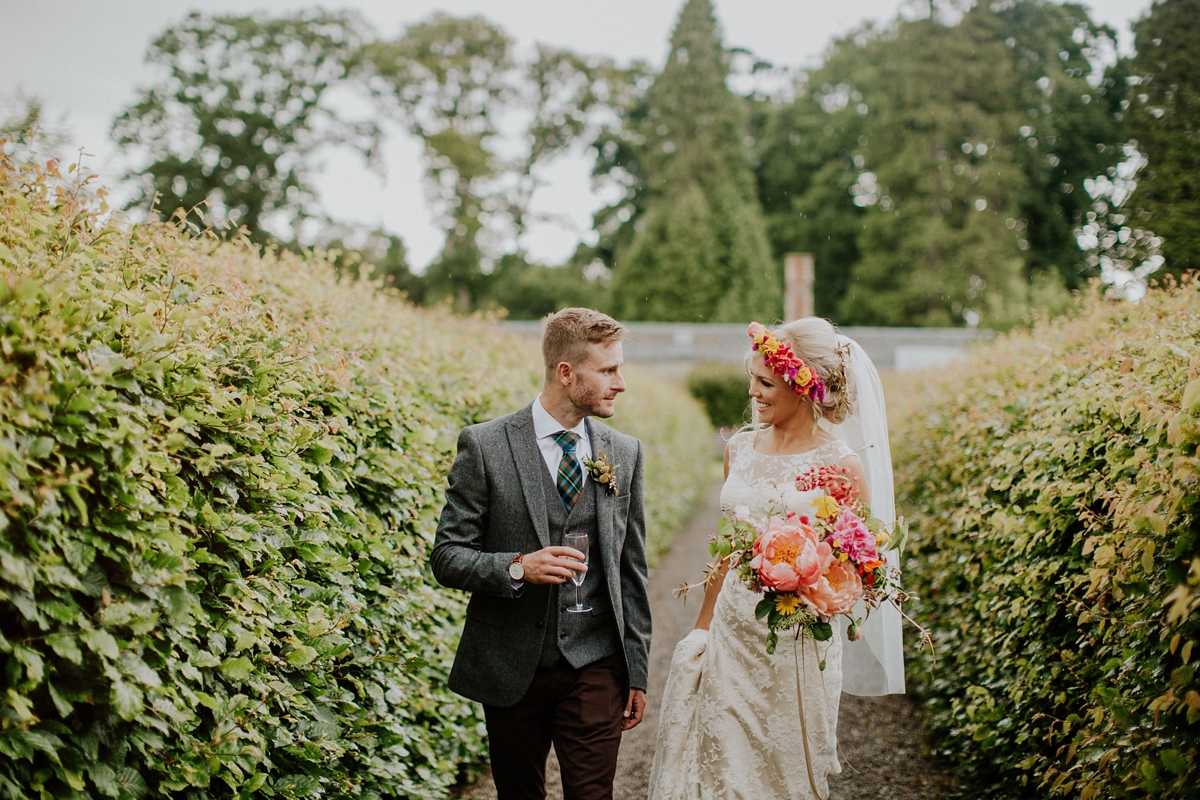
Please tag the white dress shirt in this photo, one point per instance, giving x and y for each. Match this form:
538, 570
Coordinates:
544, 427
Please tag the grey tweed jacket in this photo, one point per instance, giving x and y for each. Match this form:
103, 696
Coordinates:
495, 508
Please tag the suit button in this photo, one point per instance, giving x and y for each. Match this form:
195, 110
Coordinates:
562, 635
564, 608
568, 530
539, 625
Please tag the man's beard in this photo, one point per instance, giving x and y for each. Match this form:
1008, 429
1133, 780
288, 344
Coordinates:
588, 401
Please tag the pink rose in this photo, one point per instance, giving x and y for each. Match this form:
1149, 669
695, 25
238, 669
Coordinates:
836, 592
853, 537
787, 554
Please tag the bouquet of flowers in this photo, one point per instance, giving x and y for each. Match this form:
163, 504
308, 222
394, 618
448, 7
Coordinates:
811, 567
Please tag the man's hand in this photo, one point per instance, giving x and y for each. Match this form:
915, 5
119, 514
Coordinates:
634, 709
552, 565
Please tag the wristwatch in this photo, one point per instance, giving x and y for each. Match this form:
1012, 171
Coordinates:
516, 570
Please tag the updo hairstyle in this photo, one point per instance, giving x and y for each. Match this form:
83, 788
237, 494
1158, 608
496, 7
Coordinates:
815, 342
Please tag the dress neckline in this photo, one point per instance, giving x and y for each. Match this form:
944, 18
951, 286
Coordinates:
757, 452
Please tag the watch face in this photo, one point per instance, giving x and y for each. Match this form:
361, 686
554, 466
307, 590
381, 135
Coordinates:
516, 571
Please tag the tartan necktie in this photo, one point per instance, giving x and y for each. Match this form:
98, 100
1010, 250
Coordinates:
570, 476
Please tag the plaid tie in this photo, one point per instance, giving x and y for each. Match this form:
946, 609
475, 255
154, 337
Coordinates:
570, 476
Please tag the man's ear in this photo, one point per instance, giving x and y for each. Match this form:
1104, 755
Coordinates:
564, 372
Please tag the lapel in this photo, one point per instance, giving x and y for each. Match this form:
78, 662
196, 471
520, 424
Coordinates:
530, 466
598, 434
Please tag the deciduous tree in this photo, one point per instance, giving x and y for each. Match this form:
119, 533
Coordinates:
1164, 121
451, 79
936, 169
455, 82
27, 132
245, 102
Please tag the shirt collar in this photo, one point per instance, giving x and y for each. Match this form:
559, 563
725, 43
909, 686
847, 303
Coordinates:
545, 425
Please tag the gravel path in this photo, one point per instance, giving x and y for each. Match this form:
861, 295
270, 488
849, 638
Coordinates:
883, 754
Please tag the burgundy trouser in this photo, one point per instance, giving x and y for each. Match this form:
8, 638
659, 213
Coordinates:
580, 711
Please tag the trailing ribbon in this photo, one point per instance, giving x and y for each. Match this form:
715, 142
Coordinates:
812, 781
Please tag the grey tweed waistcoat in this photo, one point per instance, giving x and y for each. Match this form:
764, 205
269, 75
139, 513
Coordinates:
585, 637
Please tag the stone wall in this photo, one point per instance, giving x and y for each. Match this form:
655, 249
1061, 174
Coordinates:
671, 348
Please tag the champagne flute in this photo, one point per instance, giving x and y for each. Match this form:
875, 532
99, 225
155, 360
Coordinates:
579, 541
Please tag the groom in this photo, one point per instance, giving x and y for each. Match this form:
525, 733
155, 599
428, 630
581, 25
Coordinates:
518, 484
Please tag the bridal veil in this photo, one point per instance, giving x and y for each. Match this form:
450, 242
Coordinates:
873, 665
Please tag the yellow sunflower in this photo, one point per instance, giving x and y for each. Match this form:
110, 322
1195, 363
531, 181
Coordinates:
787, 604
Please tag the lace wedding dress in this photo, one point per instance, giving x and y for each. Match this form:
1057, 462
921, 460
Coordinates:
736, 722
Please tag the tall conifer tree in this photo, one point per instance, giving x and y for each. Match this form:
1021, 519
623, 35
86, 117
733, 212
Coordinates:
1164, 120
700, 251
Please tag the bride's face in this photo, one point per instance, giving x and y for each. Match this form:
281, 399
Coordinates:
774, 400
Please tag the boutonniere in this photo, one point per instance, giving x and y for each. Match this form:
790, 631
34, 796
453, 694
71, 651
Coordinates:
603, 471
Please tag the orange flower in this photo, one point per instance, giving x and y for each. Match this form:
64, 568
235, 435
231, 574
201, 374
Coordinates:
836, 592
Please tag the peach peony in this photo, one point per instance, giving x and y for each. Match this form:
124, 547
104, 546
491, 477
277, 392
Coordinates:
836, 592
815, 557
789, 555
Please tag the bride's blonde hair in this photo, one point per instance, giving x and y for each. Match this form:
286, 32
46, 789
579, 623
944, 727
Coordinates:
814, 340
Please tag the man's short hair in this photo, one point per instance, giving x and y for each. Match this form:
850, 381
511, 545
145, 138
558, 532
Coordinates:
566, 335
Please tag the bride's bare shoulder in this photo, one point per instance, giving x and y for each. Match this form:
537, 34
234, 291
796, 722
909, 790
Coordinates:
731, 447
738, 437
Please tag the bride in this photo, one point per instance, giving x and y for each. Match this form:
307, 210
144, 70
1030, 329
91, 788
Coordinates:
735, 721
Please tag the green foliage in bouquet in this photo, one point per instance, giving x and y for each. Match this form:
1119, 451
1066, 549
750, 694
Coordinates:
220, 473
1053, 485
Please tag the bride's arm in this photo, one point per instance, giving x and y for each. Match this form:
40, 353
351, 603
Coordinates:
854, 466
711, 590
713, 587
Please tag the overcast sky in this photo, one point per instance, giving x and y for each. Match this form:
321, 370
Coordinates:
84, 59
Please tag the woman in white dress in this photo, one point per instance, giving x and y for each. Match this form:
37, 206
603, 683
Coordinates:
735, 721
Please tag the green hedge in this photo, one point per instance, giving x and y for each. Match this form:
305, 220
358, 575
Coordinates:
220, 474
681, 453
1053, 487
723, 390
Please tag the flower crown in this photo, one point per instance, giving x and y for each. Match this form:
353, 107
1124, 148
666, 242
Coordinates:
783, 362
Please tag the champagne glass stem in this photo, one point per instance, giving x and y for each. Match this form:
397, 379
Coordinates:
578, 599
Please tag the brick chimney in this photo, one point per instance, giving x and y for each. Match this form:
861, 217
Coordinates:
798, 276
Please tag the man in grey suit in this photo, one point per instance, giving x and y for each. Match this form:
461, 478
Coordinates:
519, 484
